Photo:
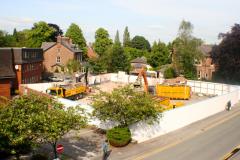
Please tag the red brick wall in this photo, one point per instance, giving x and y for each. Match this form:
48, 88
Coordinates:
51, 54
5, 88
28, 73
205, 69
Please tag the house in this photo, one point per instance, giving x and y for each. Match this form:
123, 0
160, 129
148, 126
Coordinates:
7, 74
57, 54
137, 64
205, 67
28, 65
91, 54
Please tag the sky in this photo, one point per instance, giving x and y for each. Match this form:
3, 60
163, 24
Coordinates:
153, 19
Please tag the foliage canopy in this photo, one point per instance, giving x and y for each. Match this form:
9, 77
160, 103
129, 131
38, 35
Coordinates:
125, 106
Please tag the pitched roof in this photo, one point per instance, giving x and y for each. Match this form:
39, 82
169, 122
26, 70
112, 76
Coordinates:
72, 47
6, 63
91, 53
139, 60
206, 49
47, 45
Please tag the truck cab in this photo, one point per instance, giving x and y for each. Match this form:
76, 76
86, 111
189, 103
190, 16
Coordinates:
56, 91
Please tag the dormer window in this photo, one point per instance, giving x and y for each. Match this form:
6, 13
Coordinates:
58, 60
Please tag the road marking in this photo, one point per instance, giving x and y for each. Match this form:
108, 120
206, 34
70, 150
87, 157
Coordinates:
232, 153
154, 151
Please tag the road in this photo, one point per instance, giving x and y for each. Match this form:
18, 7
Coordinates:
212, 144
209, 139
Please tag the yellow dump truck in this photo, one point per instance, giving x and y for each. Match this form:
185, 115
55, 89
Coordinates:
173, 91
70, 91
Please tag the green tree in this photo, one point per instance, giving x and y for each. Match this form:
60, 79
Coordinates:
73, 66
186, 51
133, 53
57, 31
126, 38
102, 41
117, 58
40, 32
98, 65
140, 42
28, 119
19, 122
125, 106
6, 40
160, 55
58, 122
75, 33
169, 73
227, 56
117, 39
15, 35
22, 38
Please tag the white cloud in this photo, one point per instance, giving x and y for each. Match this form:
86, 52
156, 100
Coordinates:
9, 23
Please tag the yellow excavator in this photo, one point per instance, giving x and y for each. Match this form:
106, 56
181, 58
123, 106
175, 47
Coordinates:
164, 99
138, 82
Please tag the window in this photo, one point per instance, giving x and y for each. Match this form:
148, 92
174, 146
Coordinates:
58, 59
199, 74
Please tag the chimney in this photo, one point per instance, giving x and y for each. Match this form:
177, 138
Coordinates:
70, 41
59, 39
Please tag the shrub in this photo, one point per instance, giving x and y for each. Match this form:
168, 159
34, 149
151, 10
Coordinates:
169, 73
119, 136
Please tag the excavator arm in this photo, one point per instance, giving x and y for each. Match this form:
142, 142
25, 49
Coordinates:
143, 74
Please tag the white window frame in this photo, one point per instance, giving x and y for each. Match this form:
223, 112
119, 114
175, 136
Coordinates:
58, 59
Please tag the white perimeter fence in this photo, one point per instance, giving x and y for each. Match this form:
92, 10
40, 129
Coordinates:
172, 119
182, 116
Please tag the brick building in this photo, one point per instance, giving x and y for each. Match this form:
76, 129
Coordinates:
7, 74
57, 54
205, 67
19, 66
28, 65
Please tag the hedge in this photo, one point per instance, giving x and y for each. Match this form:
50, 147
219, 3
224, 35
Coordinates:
119, 136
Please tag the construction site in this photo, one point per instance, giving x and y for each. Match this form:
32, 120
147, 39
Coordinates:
183, 101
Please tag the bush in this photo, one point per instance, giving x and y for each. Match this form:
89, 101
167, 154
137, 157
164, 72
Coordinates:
118, 136
169, 73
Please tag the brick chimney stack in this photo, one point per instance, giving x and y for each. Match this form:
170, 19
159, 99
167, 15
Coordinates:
59, 39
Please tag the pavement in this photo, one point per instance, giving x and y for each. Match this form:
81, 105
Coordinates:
217, 135
84, 144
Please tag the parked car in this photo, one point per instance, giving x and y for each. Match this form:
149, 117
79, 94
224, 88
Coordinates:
68, 79
55, 79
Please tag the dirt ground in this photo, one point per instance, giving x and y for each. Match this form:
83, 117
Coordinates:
106, 87
109, 86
